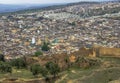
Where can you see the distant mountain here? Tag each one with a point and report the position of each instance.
(12, 8)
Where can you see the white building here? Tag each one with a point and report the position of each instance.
(33, 40)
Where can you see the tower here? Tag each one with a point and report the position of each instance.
(33, 40)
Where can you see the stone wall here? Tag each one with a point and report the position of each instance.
(104, 51)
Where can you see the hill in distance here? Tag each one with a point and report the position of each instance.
(14, 7)
(17, 7)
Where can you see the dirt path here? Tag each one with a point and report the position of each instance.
(62, 78)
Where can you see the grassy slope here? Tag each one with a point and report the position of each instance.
(108, 71)
(16, 74)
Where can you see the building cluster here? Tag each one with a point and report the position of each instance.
(23, 34)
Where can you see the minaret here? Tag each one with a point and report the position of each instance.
(103, 8)
(33, 40)
(20, 26)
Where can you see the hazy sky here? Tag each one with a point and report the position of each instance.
(41, 1)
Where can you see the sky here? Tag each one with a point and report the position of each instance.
(41, 1)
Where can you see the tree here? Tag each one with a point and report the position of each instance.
(44, 72)
(5, 67)
(45, 46)
(67, 61)
(53, 68)
(19, 63)
(2, 57)
(35, 69)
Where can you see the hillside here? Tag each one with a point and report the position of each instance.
(83, 69)
(107, 72)
(87, 12)
(36, 7)
(71, 43)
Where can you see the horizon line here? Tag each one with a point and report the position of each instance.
(48, 3)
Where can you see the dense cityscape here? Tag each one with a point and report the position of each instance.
(66, 43)
(65, 28)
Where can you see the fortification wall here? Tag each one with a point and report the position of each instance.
(104, 51)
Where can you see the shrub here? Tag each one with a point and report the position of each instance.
(38, 53)
(45, 46)
(53, 68)
(87, 62)
(19, 63)
(5, 67)
(35, 69)
(2, 57)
